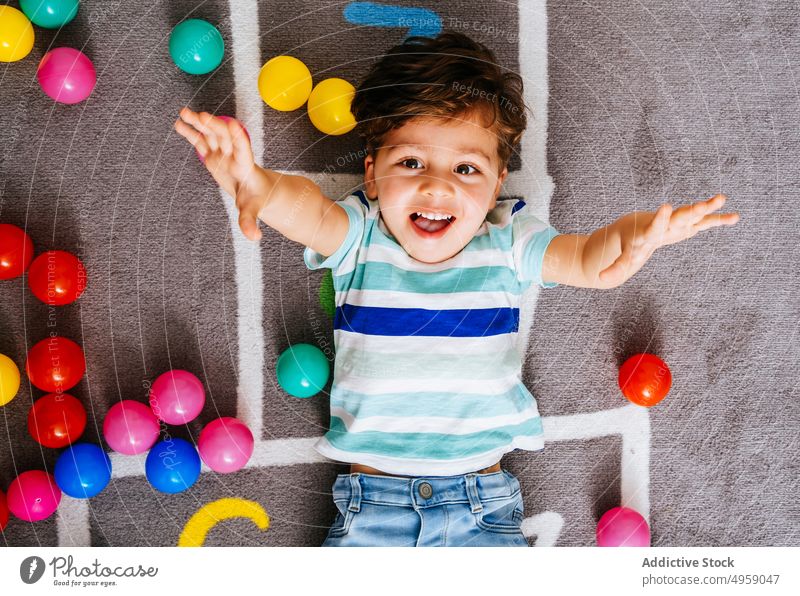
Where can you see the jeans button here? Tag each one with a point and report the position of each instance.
(425, 490)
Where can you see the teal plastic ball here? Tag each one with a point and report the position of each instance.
(196, 46)
(303, 370)
(50, 14)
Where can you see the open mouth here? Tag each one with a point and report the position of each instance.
(430, 224)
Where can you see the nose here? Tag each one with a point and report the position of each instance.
(435, 185)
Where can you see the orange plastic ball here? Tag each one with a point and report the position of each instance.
(645, 379)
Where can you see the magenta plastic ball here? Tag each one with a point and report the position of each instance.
(33, 496)
(226, 119)
(622, 527)
(177, 397)
(225, 444)
(130, 427)
(66, 75)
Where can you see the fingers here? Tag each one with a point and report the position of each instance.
(214, 129)
(717, 219)
(691, 214)
(617, 269)
(242, 152)
(195, 138)
(659, 225)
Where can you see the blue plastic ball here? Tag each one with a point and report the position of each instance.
(196, 46)
(303, 370)
(50, 14)
(172, 465)
(83, 470)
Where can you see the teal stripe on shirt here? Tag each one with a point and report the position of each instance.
(429, 445)
(432, 403)
(375, 275)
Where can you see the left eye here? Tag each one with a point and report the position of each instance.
(466, 165)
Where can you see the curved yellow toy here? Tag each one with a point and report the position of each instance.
(200, 524)
(329, 106)
(9, 379)
(16, 34)
(284, 83)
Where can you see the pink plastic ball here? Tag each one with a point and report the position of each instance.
(226, 119)
(33, 496)
(130, 427)
(621, 526)
(177, 397)
(66, 75)
(225, 444)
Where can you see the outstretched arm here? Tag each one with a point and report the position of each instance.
(612, 255)
(292, 205)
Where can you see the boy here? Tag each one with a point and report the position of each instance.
(428, 270)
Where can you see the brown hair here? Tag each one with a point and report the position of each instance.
(443, 77)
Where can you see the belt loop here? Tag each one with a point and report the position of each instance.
(355, 493)
(472, 493)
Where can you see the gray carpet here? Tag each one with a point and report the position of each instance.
(647, 103)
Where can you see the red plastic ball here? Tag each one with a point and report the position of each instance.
(57, 277)
(16, 251)
(3, 510)
(57, 420)
(55, 364)
(645, 379)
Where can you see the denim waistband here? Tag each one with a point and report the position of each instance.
(424, 491)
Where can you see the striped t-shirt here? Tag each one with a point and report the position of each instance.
(427, 377)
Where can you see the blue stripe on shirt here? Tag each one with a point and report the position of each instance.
(477, 322)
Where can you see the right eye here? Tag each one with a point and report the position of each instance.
(412, 159)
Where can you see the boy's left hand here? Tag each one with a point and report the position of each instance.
(640, 237)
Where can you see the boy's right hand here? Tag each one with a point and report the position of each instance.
(229, 158)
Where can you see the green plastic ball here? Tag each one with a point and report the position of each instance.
(327, 294)
(50, 14)
(196, 46)
(302, 370)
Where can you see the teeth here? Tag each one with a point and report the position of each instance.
(433, 216)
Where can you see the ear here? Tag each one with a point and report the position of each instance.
(499, 185)
(369, 177)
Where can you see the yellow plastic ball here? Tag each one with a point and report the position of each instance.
(284, 83)
(329, 106)
(9, 379)
(16, 34)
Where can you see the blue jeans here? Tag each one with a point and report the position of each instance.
(467, 510)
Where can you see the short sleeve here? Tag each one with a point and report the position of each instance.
(357, 207)
(530, 239)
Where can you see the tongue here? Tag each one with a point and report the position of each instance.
(430, 225)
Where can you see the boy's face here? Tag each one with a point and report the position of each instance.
(435, 166)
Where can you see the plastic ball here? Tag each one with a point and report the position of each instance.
(57, 277)
(329, 106)
(66, 75)
(284, 83)
(645, 379)
(83, 470)
(55, 364)
(9, 379)
(16, 251)
(621, 526)
(50, 14)
(302, 370)
(172, 466)
(196, 46)
(226, 119)
(16, 34)
(177, 397)
(57, 420)
(225, 444)
(33, 496)
(130, 427)
(3, 511)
